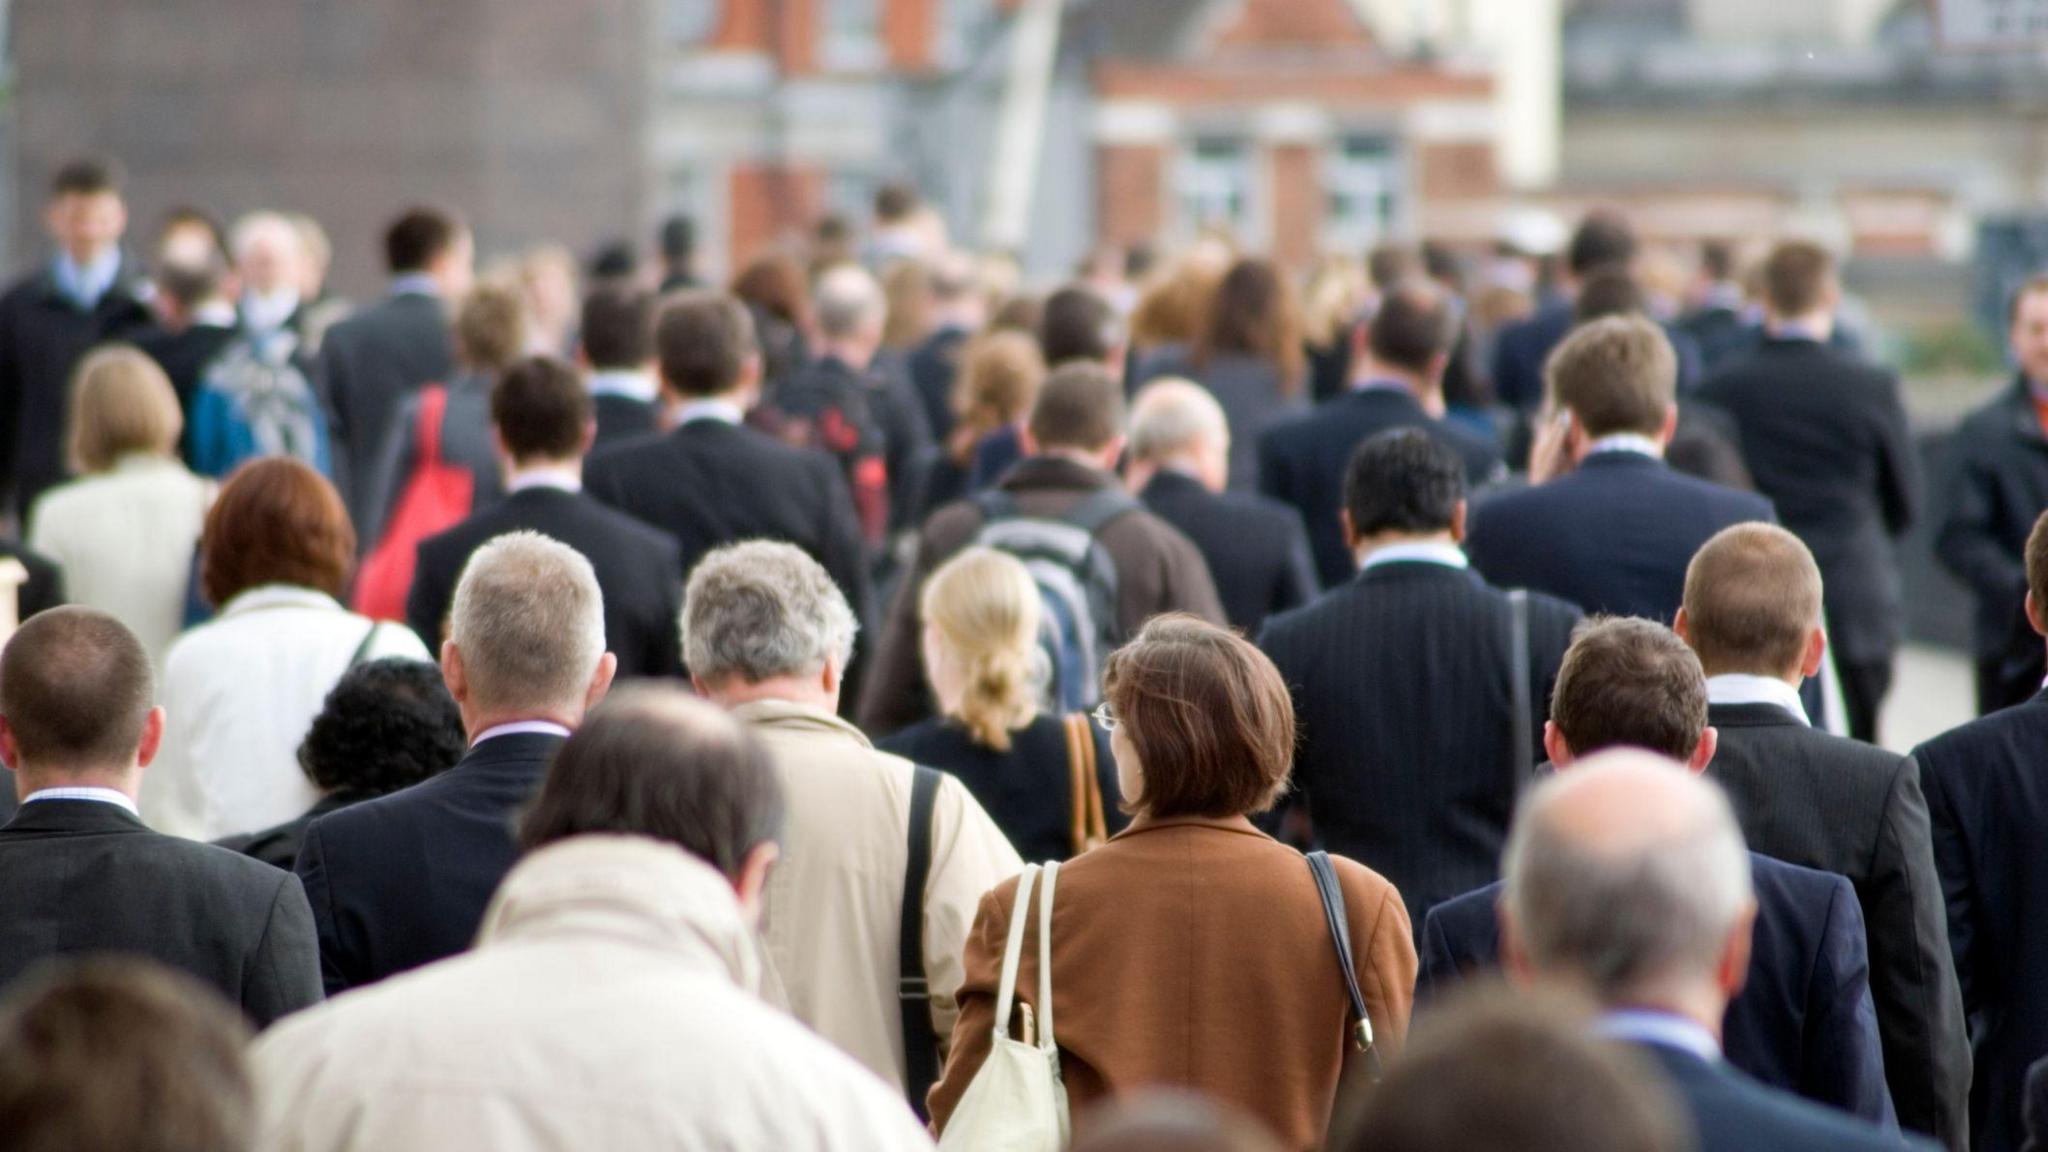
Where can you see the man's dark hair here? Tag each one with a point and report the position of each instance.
(1077, 324)
(385, 725)
(1717, 260)
(678, 239)
(189, 285)
(76, 687)
(1611, 291)
(1629, 683)
(618, 327)
(1797, 275)
(702, 340)
(614, 260)
(1403, 481)
(655, 761)
(1604, 239)
(122, 1054)
(541, 409)
(1079, 406)
(415, 239)
(86, 176)
(895, 201)
(1416, 323)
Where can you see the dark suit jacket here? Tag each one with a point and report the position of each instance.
(1522, 349)
(87, 877)
(933, 367)
(403, 880)
(1732, 1113)
(1996, 485)
(1303, 460)
(1821, 801)
(1826, 438)
(638, 569)
(1614, 536)
(184, 355)
(1248, 390)
(1257, 548)
(278, 845)
(622, 418)
(1404, 707)
(1988, 801)
(1804, 1021)
(369, 364)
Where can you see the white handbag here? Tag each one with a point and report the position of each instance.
(1017, 1102)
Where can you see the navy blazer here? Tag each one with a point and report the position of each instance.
(1256, 548)
(1805, 1021)
(403, 880)
(1732, 1113)
(1613, 537)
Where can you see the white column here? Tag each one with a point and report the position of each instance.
(1020, 130)
(1525, 38)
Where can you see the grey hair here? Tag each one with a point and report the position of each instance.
(1172, 415)
(847, 301)
(258, 224)
(762, 609)
(528, 619)
(1627, 911)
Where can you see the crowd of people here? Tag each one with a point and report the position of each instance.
(572, 706)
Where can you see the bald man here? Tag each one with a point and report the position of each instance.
(1257, 548)
(1627, 878)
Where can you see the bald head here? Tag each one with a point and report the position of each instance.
(1177, 421)
(1629, 874)
(849, 304)
(1752, 603)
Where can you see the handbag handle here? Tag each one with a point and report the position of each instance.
(1046, 1040)
(1338, 922)
(1013, 953)
(1089, 828)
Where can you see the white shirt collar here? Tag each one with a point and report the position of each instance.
(624, 382)
(1383, 384)
(521, 728)
(1420, 551)
(723, 411)
(214, 314)
(267, 313)
(280, 596)
(1663, 1029)
(415, 284)
(1626, 442)
(562, 479)
(97, 795)
(1743, 688)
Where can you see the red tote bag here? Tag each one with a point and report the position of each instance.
(437, 496)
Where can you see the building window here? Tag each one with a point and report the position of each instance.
(853, 35)
(1213, 187)
(1362, 181)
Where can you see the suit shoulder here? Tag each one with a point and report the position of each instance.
(642, 536)
(1263, 512)
(1959, 749)
(223, 865)
(1807, 886)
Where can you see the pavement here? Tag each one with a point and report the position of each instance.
(1933, 690)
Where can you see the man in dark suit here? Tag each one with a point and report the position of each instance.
(372, 361)
(543, 423)
(1607, 525)
(84, 296)
(1400, 355)
(1753, 615)
(1256, 548)
(84, 874)
(1985, 801)
(1996, 484)
(1805, 1020)
(616, 348)
(713, 481)
(1826, 438)
(1718, 320)
(403, 880)
(1627, 878)
(1404, 682)
(195, 323)
(957, 312)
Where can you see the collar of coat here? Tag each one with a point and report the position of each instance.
(781, 714)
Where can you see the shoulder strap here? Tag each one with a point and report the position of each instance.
(995, 504)
(1047, 1042)
(1518, 675)
(1013, 951)
(1098, 508)
(913, 990)
(362, 651)
(1339, 924)
(433, 406)
(1089, 827)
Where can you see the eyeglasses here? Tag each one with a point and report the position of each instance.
(1103, 717)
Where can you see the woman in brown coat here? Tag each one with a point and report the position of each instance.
(1191, 951)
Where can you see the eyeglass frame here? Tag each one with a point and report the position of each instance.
(1102, 716)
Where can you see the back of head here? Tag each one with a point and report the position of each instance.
(895, 202)
(678, 238)
(847, 303)
(1173, 416)
(1752, 601)
(1492, 1071)
(1077, 324)
(1629, 683)
(122, 404)
(1415, 325)
(528, 620)
(1403, 481)
(76, 688)
(1799, 279)
(1080, 407)
(386, 724)
(1000, 375)
(276, 521)
(1157, 1120)
(703, 342)
(775, 284)
(653, 761)
(122, 1055)
(760, 611)
(1392, 263)
(490, 327)
(618, 327)
(1611, 291)
(418, 238)
(1604, 239)
(542, 410)
(1717, 260)
(1628, 874)
(1254, 313)
(984, 609)
(1614, 375)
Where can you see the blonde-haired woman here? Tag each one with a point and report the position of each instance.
(1047, 780)
(126, 530)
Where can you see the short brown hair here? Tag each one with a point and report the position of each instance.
(2037, 563)
(121, 1054)
(1615, 374)
(1415, 324)
(276, 521)
(86, 176)
(1796, 275)
(1080, 406)
(1629, 683)
(1000, 374)
(490, 327)
(703, 341)
(1752, 597)
(2036, 285)
(76, 687)
(541, 409)
(417, 238)
(1209, 715)
(618, 327)
(122, 404)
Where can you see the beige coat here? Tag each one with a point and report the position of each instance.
(835, 898)
(608, 1004)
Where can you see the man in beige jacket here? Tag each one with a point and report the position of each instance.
(767, 635)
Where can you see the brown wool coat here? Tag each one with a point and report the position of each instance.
(1193, 953)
